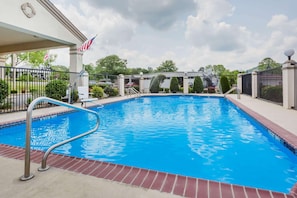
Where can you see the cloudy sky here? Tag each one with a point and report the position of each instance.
(191, 33)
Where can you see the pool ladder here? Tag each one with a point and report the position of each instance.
(27, 175)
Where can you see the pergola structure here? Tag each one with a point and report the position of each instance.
(37, 25)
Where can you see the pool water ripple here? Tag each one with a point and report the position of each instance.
(205, 137)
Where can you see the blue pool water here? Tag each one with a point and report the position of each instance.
(205, 137)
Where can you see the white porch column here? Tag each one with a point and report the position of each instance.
(121, 85)
(141, 83)
(289, 88)
(254, 84)
(76, 66)
(84, 79)
(2, 70)
(186, 83)
(239, 82)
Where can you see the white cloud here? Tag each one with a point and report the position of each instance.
(159, 14)
(192, 33)
(207, 28)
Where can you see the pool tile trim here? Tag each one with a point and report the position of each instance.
(164, 182)
(287, 138)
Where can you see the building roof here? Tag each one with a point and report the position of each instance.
(36, 24)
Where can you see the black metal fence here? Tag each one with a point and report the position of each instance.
(270, 85)
(247, 84)
(24, 85)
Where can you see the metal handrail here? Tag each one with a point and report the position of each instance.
(233, 89)
(132, 90)
(27, 175)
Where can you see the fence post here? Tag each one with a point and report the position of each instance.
(254, 84)
(121, 85)
(186, 83)
(239, 82)
(141, 83)
(289, 87)
(2, 69)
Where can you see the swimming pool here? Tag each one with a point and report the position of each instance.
(203, 137)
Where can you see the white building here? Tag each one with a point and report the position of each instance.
(35, 25)
(209, 80)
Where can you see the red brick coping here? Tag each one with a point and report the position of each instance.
(164, 182)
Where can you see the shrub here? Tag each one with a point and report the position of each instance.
(74, 95)
(97, 92)
(5, 105)
(198, 85)
(191, 90)
(111, 91)
(272, 93)
(174, 85)
(224, 84)
(155, 83)
(3, 90)
(56, 89)
(13, 91)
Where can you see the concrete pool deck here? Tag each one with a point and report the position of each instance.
(57, 182)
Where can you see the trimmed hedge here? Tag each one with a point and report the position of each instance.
(111, 91)
(97, 92)
(198, 85)
(56, 89)
(224, 84)
(174, 87)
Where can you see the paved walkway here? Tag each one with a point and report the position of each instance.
(62, 183)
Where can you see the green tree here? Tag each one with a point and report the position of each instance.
(224, 84)
(61, 72)
(267, 63)
(198, 85)
(89, 68)
(137, 70)
(174, 87)
(111, 65)
(36, 58)
(219, 69)
(167, 66)
(60, 68)
(155, 83)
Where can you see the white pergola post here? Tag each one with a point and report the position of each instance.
(289, 87)
(141, 83)
(254, 84)
(186, 83)
(122, 85)
(76, 66)
(239, 82)
(2, 70)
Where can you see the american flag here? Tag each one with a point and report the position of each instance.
(86, 45)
